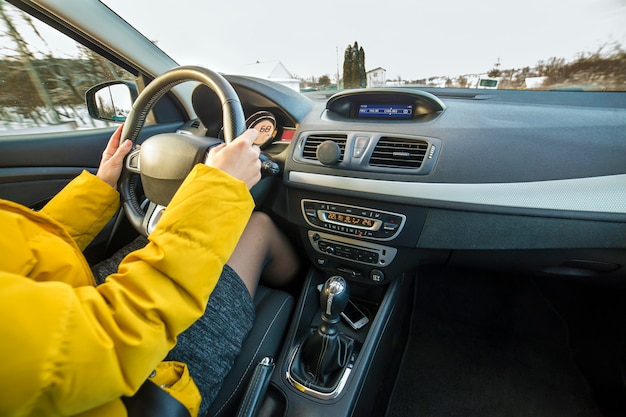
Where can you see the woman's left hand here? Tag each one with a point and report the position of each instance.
(113, 158)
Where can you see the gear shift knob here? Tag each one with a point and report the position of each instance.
(324, 353)
(334, 298)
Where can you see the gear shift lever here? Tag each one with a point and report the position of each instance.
(334, 297)
(324, 353)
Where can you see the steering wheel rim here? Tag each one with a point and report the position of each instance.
(233, 122)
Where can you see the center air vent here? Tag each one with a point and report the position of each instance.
(313, 141)
(399, 153)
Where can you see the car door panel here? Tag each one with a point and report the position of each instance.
(33, 168)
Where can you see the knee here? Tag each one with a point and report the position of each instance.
(260, 222)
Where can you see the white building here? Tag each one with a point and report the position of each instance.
(534, 82)
(376, 77)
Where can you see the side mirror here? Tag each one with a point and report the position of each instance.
(111, 100)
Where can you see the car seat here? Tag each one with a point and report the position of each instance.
(273, 310)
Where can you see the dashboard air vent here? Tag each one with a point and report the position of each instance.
(399, 153)
(313, 141)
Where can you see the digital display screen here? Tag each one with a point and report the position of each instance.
(350, 220)
(386, 111)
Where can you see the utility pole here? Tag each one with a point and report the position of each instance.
(337, 80)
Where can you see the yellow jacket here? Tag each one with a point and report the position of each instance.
(69, 347)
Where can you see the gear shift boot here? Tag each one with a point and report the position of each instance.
(321, 361)
(322, 358)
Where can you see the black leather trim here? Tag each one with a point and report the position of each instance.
(273, 312)
(152, 401)
(255, 392)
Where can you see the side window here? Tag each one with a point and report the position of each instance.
(44, 76)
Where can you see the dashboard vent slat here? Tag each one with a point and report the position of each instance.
(399, 153)
(311, 143)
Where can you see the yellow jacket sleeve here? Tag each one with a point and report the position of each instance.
(68, 349)
(83, 207)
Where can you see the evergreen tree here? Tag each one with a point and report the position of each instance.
(347, 68)
(362, 75)
(354, 67)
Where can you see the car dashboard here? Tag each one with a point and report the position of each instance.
(379, 181)
(379, 185)
(540, 184)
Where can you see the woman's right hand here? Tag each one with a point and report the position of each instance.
(240, 158)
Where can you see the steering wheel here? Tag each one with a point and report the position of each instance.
(164, 160)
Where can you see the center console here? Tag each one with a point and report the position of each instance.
(357, 378)
(329, 365)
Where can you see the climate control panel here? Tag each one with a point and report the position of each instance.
(352, 220)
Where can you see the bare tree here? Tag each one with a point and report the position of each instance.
(26, 57)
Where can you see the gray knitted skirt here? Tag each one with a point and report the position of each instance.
(209, 347)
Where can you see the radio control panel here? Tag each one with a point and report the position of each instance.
(367, 253)
(352, 220)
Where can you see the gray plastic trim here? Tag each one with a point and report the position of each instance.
(605, 194)
(386, 254)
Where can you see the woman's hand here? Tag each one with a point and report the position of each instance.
(240, 158)
(113, 158)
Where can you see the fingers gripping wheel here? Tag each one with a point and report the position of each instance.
(234, 125)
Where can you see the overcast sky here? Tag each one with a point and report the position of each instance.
(416, 40)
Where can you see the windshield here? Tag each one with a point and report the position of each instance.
(536, 44)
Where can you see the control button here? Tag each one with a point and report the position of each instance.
(372, 258)
(377, 275)
(359, 146)
(322, 261)
(390, 226)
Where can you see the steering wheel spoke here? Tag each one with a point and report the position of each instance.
(153, 215)
(133, 161)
